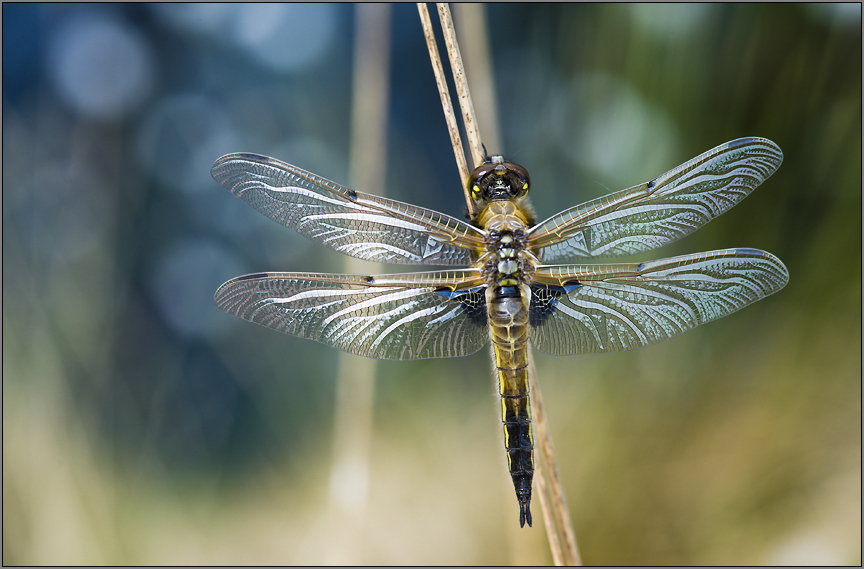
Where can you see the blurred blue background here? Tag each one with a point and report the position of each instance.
(141, 425)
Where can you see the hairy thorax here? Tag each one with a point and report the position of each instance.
(507, 261)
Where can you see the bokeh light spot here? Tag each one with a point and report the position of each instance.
(181, 138)
(671, 21)
(845, 14)
(100, 67)
(184, 282)
(623, 137)
(287, 37)
(194, 17)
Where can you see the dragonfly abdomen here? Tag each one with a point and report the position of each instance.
(508, 323)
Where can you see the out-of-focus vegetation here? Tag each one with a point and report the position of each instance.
(142, 425)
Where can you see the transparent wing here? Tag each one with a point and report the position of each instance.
(609, 308)
(394, 317)
(361, 225)
(662, 210)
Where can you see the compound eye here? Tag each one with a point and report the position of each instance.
(476, 176)
(523, 177)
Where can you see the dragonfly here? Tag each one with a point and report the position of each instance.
(501, 287)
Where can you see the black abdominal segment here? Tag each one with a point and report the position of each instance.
(507, 292)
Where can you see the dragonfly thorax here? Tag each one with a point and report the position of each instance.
(507, 261)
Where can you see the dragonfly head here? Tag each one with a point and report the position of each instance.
(498, 180)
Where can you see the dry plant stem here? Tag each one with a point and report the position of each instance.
(561, 525)
(541, 493)
(469, 119)
(449, 114)
(474, 41)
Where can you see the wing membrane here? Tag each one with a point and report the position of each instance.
(658, 212)
(357, 224)
(394, 317)
(607, 308)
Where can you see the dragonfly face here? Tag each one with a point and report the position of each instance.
(498, 180)
(506, 291)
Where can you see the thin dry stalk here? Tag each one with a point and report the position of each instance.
(465, 103)
(560, 528)
(474, 41)
(551, 497)
(449, 114)
(541, 493)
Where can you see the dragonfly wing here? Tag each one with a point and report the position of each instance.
(608, 308)
(394, 317)
(361, 225)
(662, 210)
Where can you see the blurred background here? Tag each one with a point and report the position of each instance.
(141, 425)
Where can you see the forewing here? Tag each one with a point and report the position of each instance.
(662, 210)
(609, 308)
(357, 224)
(393, 317)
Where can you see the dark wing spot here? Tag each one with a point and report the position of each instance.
(651, 184)
(748, 251)
(369, 280)
(253, 157)
(352, 194)
(252, 277)
(472, 300)
(544, 298)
